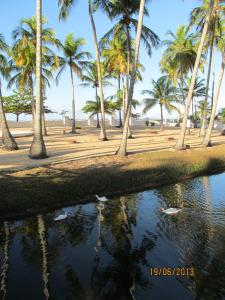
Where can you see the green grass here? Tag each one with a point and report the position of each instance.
(42, 189)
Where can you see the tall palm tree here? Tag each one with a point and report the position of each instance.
(162, 94)
(122, 151)
(37, 149)
(180, 143)
(23, 54)
(206, 141)
(65, 7)
(90, 78)
(180, 54)
(116, 64)
(73, 57)
(124, 12)
(197, 19)
(8, 142)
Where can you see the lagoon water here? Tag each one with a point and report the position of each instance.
(122, 249)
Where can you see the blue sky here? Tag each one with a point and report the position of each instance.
(164, 15)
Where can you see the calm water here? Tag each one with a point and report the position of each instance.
(107, 251)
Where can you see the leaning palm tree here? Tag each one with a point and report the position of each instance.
(122, 151)
(124, 12)
(65, 7)
(73, 58)
(197, 19)
(37, 149)
(162, 94)
(8, 142)
(206, 141)
(180, 143)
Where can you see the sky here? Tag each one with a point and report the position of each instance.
(164, 15)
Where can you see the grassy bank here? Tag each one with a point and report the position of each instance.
(42, 189)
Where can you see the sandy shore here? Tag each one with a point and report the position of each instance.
(62, 148)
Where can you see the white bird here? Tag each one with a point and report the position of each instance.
(61, 217)
(102, 199)
(170, 211)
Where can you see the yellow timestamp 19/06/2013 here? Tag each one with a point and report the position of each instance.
(172, 271)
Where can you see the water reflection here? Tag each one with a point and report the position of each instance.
(105, 251)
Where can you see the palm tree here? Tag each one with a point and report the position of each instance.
(162, 94)
(8, 142)
(65, 7)
(116, 64)
(180, 54)
(73, 57)
(206, 141)
(180, 143)
(23, 54)
(90, 78)
(124, 12)
(197, 19)
(201, 110)
(122, 151)
(37, 149)
(94, 108)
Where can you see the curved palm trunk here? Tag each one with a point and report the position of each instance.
(180, 143)
(44, 129)
(120, 115)
(8, 142)
(5, 264)
(122, 151)
(161, 112)
(128, 74)
(44, 251)
(37, 149)
(202, 130)
(96, 98)
(206, 142)
(73, 129)
(103, 130)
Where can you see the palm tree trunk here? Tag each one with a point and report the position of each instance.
(5, 263)
(202, 130)
(73, 130)
(128, 73)
(122, 151)
(120, 115)
(206, 141)
(96, 98)
(103, 130)
(8, 142)
(37, 149)
(213, 87)
(44, 251)
(180, 143)
(161, 112)
(17, 118)
(44, 129)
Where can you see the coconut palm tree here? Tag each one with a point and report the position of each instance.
(94, 108)
(65, 7)
(74, 59)
(23, 53)
(162, 94)
(206, 141)
(180, 54)
(180, 143)
(124, 12)
(122, 151)
(90, 78)
(37, 149)
(8, 142)
(197, 19)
